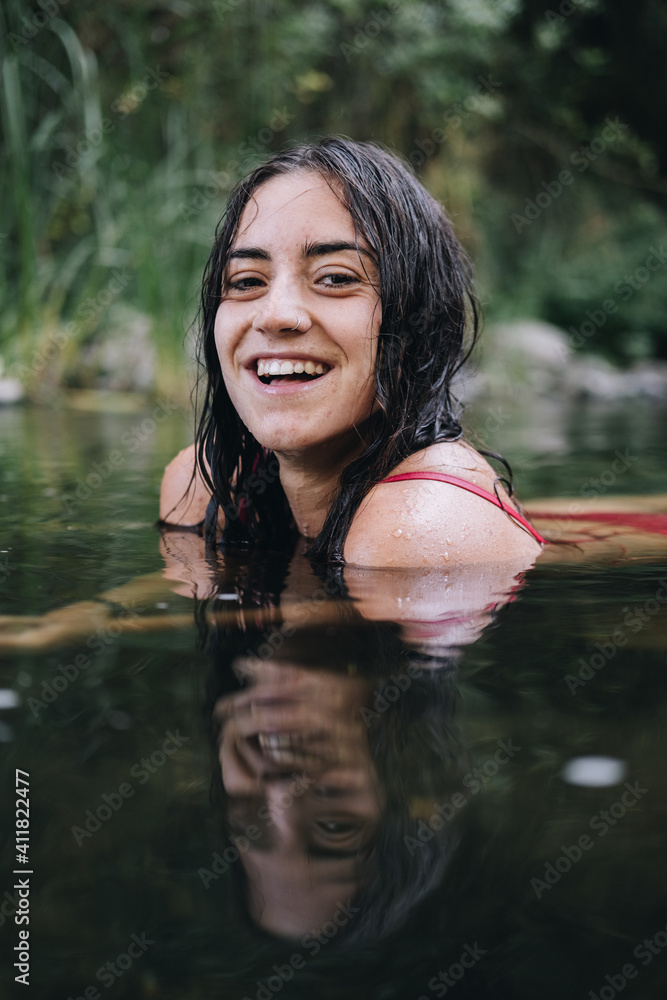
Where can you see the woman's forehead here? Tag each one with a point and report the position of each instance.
(299, 203)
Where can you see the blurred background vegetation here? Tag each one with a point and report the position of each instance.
(125, 125)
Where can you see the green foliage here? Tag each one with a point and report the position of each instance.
(126, 125)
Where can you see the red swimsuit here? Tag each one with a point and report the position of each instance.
(477, 490)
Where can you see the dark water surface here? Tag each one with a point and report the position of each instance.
(253, 782)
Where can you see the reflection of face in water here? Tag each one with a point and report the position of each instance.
(303, 790)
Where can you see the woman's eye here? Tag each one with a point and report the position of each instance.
(338, 280)
(243, 284)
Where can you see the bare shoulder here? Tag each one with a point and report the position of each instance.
(184, 495)
(429, 523)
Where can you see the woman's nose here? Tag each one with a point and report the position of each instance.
(284, 808)
(282, 311)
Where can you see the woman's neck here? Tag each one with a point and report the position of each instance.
(310, 481)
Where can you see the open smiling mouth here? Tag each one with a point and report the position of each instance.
(296, 749)
(272, 371)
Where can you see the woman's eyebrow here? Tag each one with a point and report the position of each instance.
(309, 250)
(322, 249)
(249, 253)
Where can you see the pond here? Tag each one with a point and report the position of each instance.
(248, 781)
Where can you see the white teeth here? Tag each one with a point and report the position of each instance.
(285, 748)
(272, 366)
(274, 740)
(277, 745)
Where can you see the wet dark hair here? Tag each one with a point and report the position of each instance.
(429, 325)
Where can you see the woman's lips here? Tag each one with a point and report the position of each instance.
(288, 374)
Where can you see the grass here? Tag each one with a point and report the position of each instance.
(89, 226)
(119, 164)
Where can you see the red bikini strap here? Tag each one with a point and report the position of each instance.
(471, 488)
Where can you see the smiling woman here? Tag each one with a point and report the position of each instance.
(336, 310)
(288, 303)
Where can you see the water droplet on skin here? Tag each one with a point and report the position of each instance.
(397, 533)
(409, 534)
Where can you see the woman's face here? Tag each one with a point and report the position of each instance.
(299, 299)
(302, 790)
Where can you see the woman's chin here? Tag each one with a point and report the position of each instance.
(290, 441)
(282, 444)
